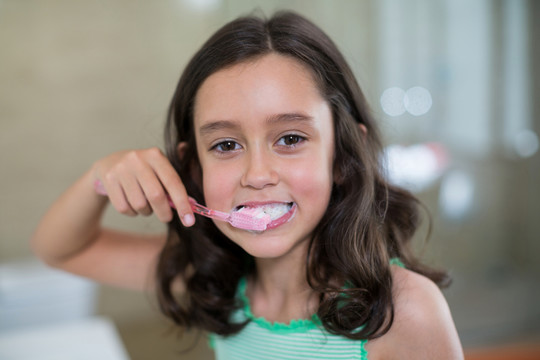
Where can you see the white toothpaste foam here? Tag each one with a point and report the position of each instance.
(275, 211)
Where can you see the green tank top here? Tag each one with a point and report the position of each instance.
(300, 339)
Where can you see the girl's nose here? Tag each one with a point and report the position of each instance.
(259, 172)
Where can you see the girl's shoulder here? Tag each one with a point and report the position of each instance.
(423, 327)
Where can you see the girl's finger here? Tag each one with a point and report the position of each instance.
(135, 195)
(117, 197)
(155, 194)
(175, 188)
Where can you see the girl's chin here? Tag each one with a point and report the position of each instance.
(270, 247)
(266, 252)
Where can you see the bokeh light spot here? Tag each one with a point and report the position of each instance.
(392, 101)
(526, 143)
(417, 101)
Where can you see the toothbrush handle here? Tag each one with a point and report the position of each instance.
(204, 211)
(243, 222)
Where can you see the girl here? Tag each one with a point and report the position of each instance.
(266, 117)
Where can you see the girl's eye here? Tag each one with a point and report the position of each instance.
(226, 146)
(290, 140)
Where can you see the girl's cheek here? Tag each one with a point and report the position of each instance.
(310, 175)
(219, 182)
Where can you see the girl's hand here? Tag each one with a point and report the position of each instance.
(138, 182)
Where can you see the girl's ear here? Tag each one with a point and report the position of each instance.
(194, 167)
(363, 128)
(181, 149)
(338, 176)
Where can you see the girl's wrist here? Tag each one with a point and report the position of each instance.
(90, 179)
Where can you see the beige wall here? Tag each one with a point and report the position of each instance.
(82, 79)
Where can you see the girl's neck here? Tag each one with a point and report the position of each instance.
(279, 290)
(285, 274)
(275, 276)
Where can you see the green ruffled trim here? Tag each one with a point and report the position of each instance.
(295, 326)
(398, 262)
(363, 351)
(212, 341)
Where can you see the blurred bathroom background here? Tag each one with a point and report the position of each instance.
(453, 83)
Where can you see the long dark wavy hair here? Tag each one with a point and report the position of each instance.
(367, 221)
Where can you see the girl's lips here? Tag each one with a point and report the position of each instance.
(276, 222)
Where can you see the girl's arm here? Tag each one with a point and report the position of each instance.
(70, 235)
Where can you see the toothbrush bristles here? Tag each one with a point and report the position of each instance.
(248, 222)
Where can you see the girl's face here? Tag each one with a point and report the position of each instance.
(265, 138)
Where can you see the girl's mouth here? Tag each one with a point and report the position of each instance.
(279, 213)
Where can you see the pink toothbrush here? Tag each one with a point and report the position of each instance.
(236, 219)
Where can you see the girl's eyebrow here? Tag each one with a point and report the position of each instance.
(234, 125)
(214, 126)
(286, 117)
